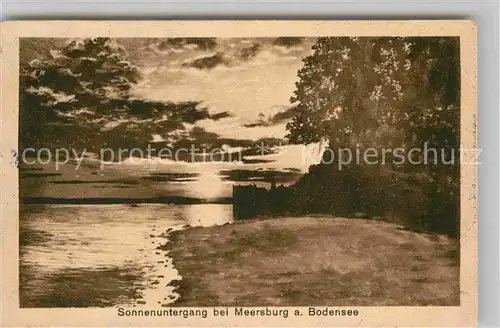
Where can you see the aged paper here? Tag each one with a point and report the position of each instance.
(239, 173)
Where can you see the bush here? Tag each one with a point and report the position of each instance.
(414, 200)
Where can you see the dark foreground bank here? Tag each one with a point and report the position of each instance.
(313, 261)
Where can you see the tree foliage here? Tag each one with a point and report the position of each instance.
(352, 90)
(386, 92)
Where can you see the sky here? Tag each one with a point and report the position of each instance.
(248, 81)
(250, 78)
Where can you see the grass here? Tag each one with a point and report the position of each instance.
(313, 261)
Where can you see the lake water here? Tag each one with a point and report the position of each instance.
(108, 255)
(103, 255)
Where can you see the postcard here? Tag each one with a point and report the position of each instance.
(239, 173)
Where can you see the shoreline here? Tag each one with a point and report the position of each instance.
(313, 261)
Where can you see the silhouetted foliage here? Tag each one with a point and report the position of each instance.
(380, 93)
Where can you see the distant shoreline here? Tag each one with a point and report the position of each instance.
(176, 200)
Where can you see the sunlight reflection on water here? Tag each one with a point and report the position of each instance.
(208, 184)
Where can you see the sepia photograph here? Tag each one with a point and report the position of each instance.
(162, 176)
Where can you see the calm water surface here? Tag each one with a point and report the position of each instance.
(103, 255)
(107, 255)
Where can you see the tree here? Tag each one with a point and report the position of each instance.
(343, 91)
(384, 92)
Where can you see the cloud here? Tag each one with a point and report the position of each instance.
(74, 113)
(289, 50)
(240, 76)
(245, 41)
(53, 97)
(166, 52)
(250, 52)
(198, 137)
(284, 115)
(255, 124)
(237, 55)
(243, 90)
(200, 43)
(201, 134)
(157, 138)
(206, 62)
(221, 115)
(113, 124)
(235, 129)
(288, 41)
(274, 118)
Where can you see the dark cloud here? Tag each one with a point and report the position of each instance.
(199, 137)
(256, 124)
(285, 115)
(171, 177)
(250, 52)
(207, 62)
(277, 118)
(256, 161)
(288, 41)
(38, 48)
(201, 134)
(221, 115)
(201, 43)
(203, 139)
(181, 112)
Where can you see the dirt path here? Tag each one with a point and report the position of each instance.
(314, 261)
